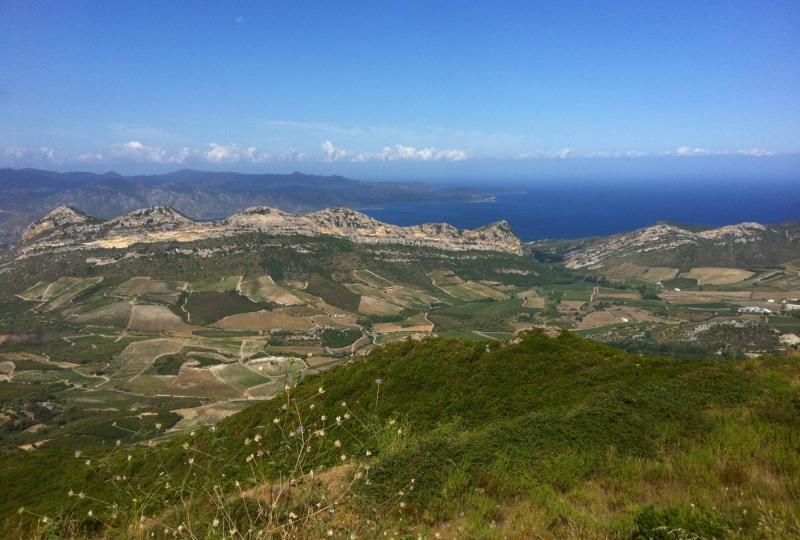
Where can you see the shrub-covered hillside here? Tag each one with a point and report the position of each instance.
(551, 437)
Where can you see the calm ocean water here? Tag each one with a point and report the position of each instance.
(575, 210)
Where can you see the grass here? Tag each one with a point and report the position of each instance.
(546, 437)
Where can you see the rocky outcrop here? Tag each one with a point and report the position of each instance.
(65, 229)
(62, 220)
(671, 245)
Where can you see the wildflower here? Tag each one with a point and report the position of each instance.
(330, 532)
(337, 443)
(343, 457)
(260, 368)
(81, 495)
(402, 504)
(339, 420)
(320, 390)
(185, 446)
(158, 425)
(344, 404)
(236, 483)
(301, 430)
(119, 442)
(399, 431)
(130, 457)
(276, 421)
(311, 407)
(257, 437)
(247, 441)
(379, 380)
(215, 522)
(88, 462)
(44, 519)
(323, 417)
(191, 461)
(286, 387)
(292, 515)
(368, 453)
(90, 513)
(392, 422)
(77, 453)
(21, 510)
(192, 434)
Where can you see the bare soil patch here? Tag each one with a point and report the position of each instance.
(263, 320)
(716, 275)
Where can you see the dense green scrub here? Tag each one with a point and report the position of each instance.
(557, 437)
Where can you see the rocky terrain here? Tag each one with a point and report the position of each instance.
(26, 194)
(67, 229)
(663, 244)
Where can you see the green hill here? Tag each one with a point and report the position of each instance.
(551, 437)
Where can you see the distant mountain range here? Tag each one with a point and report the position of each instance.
(26, 194)
(68, 229)
(681, 246)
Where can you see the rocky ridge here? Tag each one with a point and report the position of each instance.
(67, 229)
(663, 243)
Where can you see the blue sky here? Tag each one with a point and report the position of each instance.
(394, 89)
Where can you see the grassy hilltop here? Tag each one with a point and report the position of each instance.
(552, 437)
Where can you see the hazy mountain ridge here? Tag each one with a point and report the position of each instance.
(664, 244)
(26, 194)
(67, 229)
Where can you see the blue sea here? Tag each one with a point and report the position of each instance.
(575, 210)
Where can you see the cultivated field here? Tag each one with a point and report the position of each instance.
(154, 318)
(712, 275)
(263, 320)
(145, 286)
(263, 289)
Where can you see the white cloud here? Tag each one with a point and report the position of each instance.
(232, 153)
(756, 152)
(397, 152)
(689, 151)
(137, 152)
(21, 155)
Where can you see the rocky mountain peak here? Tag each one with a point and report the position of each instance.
(155, 217)
(55, 221)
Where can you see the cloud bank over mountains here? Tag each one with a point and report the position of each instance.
(135, 152)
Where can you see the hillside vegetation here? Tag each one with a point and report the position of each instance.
(538, 437)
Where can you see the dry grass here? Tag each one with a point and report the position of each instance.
(141, 286)
(375, 306)
(263, 289)
(147, 318)
(715, 275)
(263, 320)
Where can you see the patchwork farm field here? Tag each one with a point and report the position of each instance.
(181, 342)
